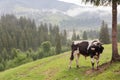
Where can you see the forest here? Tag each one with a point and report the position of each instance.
(22, 41)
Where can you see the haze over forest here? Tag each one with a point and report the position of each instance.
(66, 15)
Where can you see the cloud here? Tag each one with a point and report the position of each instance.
(24, 9)
(79, 10)
(77, 2)
(86, 8)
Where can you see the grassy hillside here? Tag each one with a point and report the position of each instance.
(56, 68)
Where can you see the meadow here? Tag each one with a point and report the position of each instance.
(56, 68)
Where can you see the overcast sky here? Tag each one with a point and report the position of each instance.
(87, 7)
(78, 2)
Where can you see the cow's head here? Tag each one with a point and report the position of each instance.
(96, 49)
(99, 47)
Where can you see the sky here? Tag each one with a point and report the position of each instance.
(78, 2)
(74, 12)
(88, 7)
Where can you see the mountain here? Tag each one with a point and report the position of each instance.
(36, 4)
(56, 68)
(57, 12)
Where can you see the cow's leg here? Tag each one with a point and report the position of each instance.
(76, 55)
(71, 58)
(97, 61)
(77, 58)
(70, 63)
(92, 62)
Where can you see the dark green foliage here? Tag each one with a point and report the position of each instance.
(1, 67)
(58, 44)
(21, 41)
(43, 33)
(78, 37)
(65, 48)
(4, 54)
(104, 34)
(85, 35)
(30, 53)
(17, 33)
(52, 52)
(64, 38)
(23, 34)
(40, 54)
(19, 58)
(46, 46)
(92, 34)
(74, 36)
(100, 2)
(56, 38)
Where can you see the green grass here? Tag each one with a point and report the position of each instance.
(56, 68)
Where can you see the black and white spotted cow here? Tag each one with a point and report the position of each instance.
(86, 48)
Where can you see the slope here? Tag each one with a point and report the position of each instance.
(56, 68)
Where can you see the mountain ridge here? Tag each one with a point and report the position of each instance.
(57, 12)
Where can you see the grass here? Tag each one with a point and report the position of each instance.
(56, 68)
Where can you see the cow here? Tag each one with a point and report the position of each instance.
(86, 48)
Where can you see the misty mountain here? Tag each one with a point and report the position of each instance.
(36, 4)
(56, 12)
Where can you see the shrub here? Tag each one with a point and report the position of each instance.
(46, 46)
(1, 67)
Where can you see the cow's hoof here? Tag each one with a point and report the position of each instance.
(93, 69)
(77, 66)
(97, 68)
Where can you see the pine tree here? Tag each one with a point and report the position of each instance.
(104, 34)
(58, 43)
(74, 37)
(85, 35)
(64, 38)
(78, 37)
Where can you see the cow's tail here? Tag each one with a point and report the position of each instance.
(72, 56)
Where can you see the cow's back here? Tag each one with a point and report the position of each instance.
(83, 46)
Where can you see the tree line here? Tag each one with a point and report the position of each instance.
(104, 34)
(23, 34)
(22, 41)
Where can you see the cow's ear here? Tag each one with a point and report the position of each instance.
(93, 49)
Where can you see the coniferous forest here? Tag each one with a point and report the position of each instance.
(22, 41)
